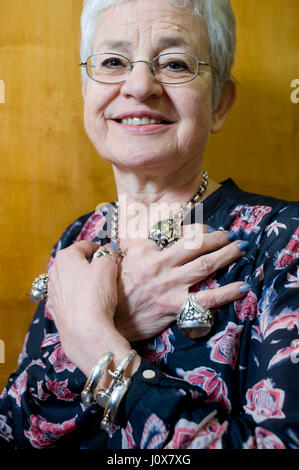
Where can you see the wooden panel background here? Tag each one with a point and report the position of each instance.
(49, 172)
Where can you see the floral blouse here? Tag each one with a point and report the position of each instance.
(237, 388)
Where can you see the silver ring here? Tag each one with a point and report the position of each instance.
(39, 291)
(194, 320)
(102, 251)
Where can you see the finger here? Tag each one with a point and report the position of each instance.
(195, 242)
(109, 250)
(82, 249)
(205, 265)
(105, 268)
(214, 298)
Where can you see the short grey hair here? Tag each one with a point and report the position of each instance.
(219, 19)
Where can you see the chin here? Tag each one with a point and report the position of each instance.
(138, 160)
(139, 163)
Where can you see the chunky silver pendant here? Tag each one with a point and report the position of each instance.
(194, 320)
(165, 233)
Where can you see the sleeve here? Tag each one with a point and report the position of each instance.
(41, 402)
(160, 413)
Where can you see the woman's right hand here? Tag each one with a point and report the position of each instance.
(154, 284)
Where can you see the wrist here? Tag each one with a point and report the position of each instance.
(112, 342)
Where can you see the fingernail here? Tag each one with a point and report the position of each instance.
(245, 288)
(211, 229)
(113, 246)
(243, 246)
(231, 236)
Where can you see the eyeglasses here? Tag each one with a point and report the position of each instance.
(169, 68)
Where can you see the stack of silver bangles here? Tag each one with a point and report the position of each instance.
(110, 398)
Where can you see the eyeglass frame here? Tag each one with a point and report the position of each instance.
(150, 63)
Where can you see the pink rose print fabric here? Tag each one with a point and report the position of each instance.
(264, 401)
(210, 382)
(225, 345)
(42, 433)
(248, 218)
(237, 388)
(158, 349)
(264, 439)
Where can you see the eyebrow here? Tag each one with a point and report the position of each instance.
(162, 42)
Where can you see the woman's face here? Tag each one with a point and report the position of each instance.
(144, 29)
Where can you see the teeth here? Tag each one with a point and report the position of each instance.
(139, 121)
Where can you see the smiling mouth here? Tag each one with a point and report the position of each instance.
(142, 121)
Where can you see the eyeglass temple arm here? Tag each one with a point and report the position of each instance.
(208, 64)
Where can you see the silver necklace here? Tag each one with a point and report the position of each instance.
(165, 232)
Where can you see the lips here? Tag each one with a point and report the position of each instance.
(142, 117)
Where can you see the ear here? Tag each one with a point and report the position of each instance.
(228, 97)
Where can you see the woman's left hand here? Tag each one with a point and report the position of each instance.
(154, 284)
(82, 298)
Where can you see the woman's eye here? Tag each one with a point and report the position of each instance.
(112, 62)
(176, 65)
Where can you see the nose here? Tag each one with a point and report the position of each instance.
(141, 83)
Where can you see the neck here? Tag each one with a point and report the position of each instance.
(174, 187)
(145, 201)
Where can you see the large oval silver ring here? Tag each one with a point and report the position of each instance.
(194, 320)
(39, 291)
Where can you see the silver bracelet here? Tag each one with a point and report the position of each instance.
(103, 396)
(108, 424)
(111, 397)
(97, 373)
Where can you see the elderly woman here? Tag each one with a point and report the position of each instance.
(177, 332)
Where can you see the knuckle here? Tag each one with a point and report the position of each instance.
(60, 257)
(62, 253)
(207, 298)
(221, 238)
(204, 265)
(148, 270)
(59, 254)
